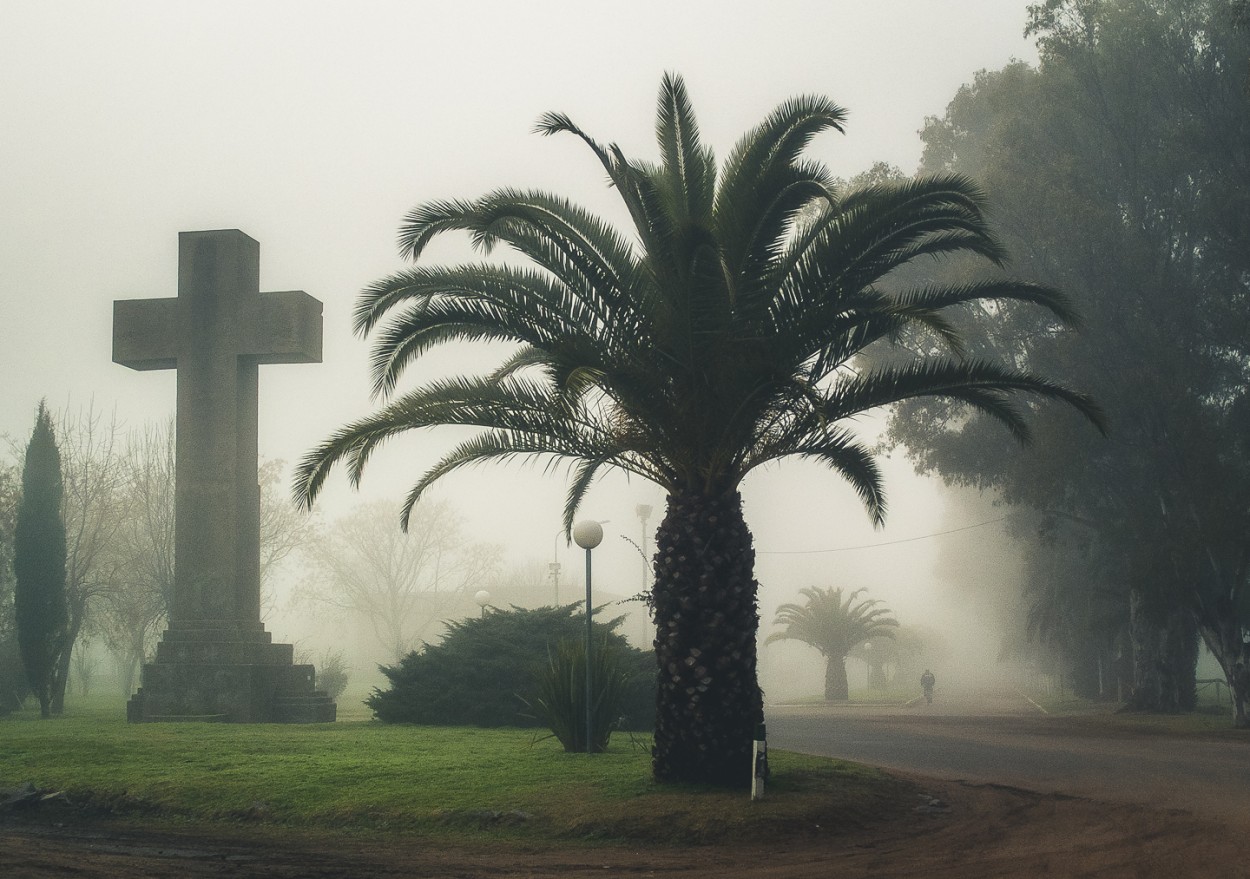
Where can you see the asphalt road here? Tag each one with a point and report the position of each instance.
(1003, 739)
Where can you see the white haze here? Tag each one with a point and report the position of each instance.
(314, 126)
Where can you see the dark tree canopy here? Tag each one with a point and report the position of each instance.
(39, 563)
(1118, 171)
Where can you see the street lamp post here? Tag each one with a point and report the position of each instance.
(588, 535)
(482, 597)
(643, 511)
(554, 567)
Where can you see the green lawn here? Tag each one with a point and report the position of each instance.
(1212, 719)
(364, 775)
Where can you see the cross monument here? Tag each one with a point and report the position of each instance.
(216, 660)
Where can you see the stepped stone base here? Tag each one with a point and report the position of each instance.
(227, 672)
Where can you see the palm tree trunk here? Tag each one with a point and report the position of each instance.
(836, 687)
(708, 699)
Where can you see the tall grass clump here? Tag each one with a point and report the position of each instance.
(559, 700)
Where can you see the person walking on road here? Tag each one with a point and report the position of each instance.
(927, 680)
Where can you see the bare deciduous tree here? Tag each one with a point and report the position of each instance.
(399, 582)
(284, 528)
(137, 606)
(94, 481)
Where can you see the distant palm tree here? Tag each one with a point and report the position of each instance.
(717, 339)
(833, 625)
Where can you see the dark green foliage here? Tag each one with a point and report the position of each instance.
(481, 671)
(1117, 169)
(39, 563)
(559, 695)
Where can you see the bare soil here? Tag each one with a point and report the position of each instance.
(975, 831)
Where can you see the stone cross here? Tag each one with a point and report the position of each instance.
(215, 334)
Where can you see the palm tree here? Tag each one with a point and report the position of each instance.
(833, 625)
(714, 340)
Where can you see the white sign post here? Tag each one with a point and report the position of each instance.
(759, 764)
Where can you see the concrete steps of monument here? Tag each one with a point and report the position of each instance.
(224, 653)
(221, 631)
(315, 707)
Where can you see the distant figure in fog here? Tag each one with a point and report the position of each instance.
(927, 680)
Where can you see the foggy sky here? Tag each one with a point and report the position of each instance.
(313, 127)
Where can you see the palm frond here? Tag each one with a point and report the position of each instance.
(837, 449)
(875, 230)
(526, 357)
(977, 382)
(583, 477)
(424, 222)
(934, 298)
(497, 445)
(687, 164)
(631, 181)
(831, 623)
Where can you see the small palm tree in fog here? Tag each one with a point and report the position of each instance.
(833, 625)
(717, 337)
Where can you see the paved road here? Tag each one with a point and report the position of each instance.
(1004, 739)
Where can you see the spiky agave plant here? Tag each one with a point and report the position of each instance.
(559, 697)
(715, 338)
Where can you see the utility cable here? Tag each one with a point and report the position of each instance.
(883, 543)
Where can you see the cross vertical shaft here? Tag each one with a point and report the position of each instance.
(216, 333)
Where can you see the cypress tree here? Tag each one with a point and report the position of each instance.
(39, 563)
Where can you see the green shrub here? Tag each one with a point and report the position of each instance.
(484, 670)
(332, 673)
(559, 700)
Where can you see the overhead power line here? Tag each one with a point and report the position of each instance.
(883, 543)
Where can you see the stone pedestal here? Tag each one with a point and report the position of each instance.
(230, 672)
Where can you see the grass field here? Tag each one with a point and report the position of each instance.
(361, 775)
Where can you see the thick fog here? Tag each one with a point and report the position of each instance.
(313, 127)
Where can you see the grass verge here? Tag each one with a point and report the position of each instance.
(1210, 720)
(364, 776)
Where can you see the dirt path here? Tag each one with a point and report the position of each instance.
(990, 831)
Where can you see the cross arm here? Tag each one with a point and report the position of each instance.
(287, 329)
(145, 333)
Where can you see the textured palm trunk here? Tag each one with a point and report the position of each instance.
(836, 687)
(708, 699)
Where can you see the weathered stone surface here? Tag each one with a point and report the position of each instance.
(216, 660)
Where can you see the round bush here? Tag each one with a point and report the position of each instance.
(484, 670)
